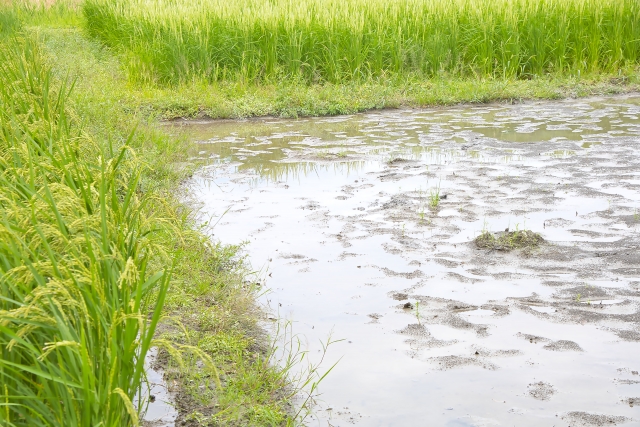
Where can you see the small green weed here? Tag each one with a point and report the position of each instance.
(434, 198)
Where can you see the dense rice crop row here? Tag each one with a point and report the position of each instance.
(76, 260)
(338, 40)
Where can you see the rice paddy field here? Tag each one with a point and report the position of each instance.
(102, 261)
(336, 41)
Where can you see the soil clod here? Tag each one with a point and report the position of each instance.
(509, 240)
(541, 390)
(587, 419)
(400, 296)
(563, 345)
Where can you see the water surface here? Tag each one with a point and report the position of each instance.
(337, 217)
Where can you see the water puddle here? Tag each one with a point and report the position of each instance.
(338, 215)
(160, 410)
(604, 302)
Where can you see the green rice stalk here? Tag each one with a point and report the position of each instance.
(336, 41)
(82, 278)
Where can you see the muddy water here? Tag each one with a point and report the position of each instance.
(160, 410)
(336, 215)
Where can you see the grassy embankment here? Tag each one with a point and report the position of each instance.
(99, 260)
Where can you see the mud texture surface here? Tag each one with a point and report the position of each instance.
(340, 222)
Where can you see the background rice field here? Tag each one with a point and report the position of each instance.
(337, 41)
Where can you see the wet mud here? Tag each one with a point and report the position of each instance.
(364, 226)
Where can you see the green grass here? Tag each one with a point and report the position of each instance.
(338, 41)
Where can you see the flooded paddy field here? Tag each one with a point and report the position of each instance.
(363, 227)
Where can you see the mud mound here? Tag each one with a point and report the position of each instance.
(541, 390)
(563, 345)
(508, 240)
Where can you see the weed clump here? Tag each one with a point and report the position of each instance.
(509, 240)
(434, 199)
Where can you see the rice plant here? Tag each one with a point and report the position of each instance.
(336, 41)
(81, 279)
(434, 198)
(9, 21)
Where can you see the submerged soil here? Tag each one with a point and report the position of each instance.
(338, 222)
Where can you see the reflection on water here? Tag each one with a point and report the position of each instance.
(276, 149)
